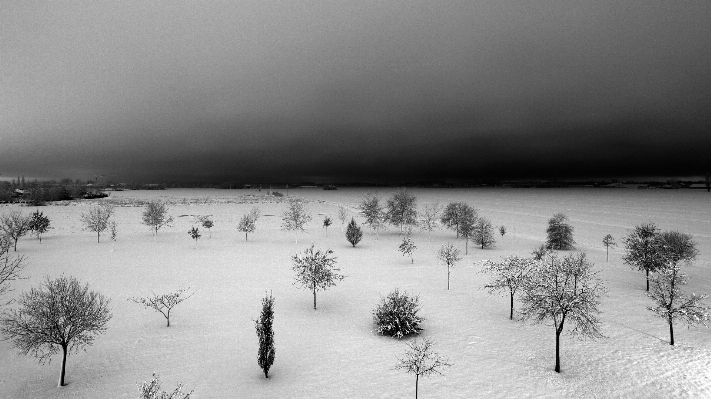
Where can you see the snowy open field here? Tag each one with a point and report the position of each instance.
(332, 352)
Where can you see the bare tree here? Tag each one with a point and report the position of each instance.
(39, 224)
(10, 269)
(455, 213)
(152, 390)
(420, 360)
(246, 225)
(327, 222)
(641, 249)
(265, 332)
(156, 216)
(295, 217)
(560, 233)
(401, 209)
(429, 218)
(671, 303)
(164, 303)
(449, 256)
(15, 225)
(407, 247)
(97, 219)
(560, 290)
(316, 271)
(502, 230)
(61, 315)
(342, 215)
(608, 241)
(541, 252)
(373, 212)
(483, 233)
(510, 274)
(467, 231)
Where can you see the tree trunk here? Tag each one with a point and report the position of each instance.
(314, 299)
(15, 244)
(557, 351)
(671, 333)
(647, 270)
(511, 314)
(64, 365)
(245, 236)
(98, 235)
(167, 317)
(466, 246)
(447, 278)
(417, 380)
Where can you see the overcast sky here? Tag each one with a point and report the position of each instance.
(355, 90)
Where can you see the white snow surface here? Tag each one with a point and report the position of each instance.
(332, 352)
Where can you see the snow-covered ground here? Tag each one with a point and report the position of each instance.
(332, 352)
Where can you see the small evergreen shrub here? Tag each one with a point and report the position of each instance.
(353, 233)
(396, 315)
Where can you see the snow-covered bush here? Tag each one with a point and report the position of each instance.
(396, 315)
(152, 390)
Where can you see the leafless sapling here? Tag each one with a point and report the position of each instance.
(164, 303)
(671, 303)
(156, 216)
(97, 218)
(373, 212)
(449, 256)
(327, 222)
(246, 225)
(466, 231)
(560, 290)
(265, 333)
(541, 252)
(502, 230)
(15, 225)
(608, 241)
(407, 247)
(642, 249)
(62, 315)
(316, 270)
(153, 390)
(420, 360)
(429, 218)
(509, 274)
(342, 215)
(295, 217)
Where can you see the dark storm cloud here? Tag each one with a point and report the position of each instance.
(374, 90)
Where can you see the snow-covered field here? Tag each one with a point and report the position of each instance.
(332, 352)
